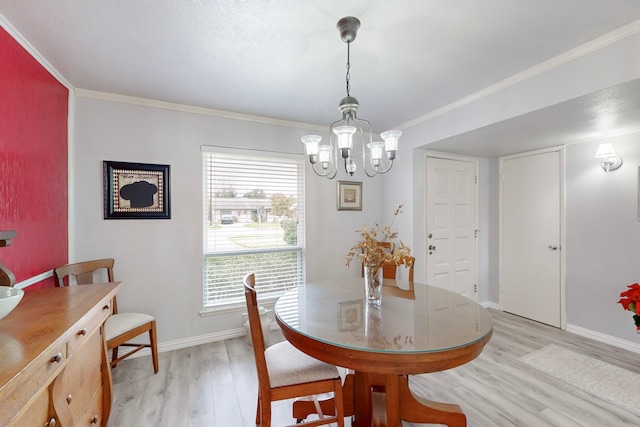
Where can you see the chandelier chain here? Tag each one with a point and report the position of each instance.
(348, 69)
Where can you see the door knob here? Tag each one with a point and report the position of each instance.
(553, 247)
(431, 249)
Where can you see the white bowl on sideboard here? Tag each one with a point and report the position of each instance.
(9, 299)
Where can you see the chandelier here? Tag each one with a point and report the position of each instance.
(351, 136)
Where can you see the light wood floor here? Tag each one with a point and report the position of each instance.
(215, 385)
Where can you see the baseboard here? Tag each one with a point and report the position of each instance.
(490, 304)
(588, 333)
(193, 341)
(199, 340)
(607, 339)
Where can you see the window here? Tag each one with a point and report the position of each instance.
(253, 222)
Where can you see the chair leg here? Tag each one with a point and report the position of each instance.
(154, 346)
(339, 402)
(258, 410)
(114, 356)
(265, 414)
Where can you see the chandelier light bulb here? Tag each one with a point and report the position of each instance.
(391, 142)
(311, 146)
(375, 149)
(345, 139)
(324, 156)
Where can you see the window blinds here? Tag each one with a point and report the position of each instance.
(253, 222)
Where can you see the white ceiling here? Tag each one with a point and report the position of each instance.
(284, 59)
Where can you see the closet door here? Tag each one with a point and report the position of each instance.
(530, 252)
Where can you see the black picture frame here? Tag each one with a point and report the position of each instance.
(136, 190)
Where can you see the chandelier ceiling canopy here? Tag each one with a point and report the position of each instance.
(351, 135)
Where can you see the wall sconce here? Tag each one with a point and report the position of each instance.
(610, 159)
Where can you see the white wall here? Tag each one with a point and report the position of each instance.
(160, 261)
(603, 237)
(602, 67)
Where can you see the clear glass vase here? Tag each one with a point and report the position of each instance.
(373, 285)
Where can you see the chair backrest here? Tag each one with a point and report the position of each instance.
(390, 270)
(412, 263)
(386, 245)
(257, 337)
(84, 272)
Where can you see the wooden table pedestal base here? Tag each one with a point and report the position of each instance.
(384, 408)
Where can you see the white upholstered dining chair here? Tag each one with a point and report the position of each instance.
(284, 372)
(120, 328)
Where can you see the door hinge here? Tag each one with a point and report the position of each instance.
(475, 233)
(475, 288)
(476, 179)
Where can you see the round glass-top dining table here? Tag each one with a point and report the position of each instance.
(417, 329)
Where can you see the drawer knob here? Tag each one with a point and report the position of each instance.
(50, 423)
(56, 358)
(69, 398)
(94, 419)
(82, 331)
(106, 307)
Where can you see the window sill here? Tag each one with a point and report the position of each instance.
(236, 307)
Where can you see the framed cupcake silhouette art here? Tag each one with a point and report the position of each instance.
(136, 191)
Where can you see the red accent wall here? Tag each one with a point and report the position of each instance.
(33, 164)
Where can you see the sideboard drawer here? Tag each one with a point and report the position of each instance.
(36, 375)
(87, 326)
(35, 413)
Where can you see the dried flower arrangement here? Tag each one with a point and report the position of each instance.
(373, 254)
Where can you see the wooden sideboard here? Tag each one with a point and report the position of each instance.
(54, 368)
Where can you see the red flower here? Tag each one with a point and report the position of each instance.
(631, 298)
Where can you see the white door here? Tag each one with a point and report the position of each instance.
(451, 225)
(531, 203)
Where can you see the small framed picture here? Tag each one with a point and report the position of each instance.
(136, 191)
(350, 315)
(349, 196)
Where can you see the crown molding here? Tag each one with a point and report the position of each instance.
(548, 65)
(105, 96)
